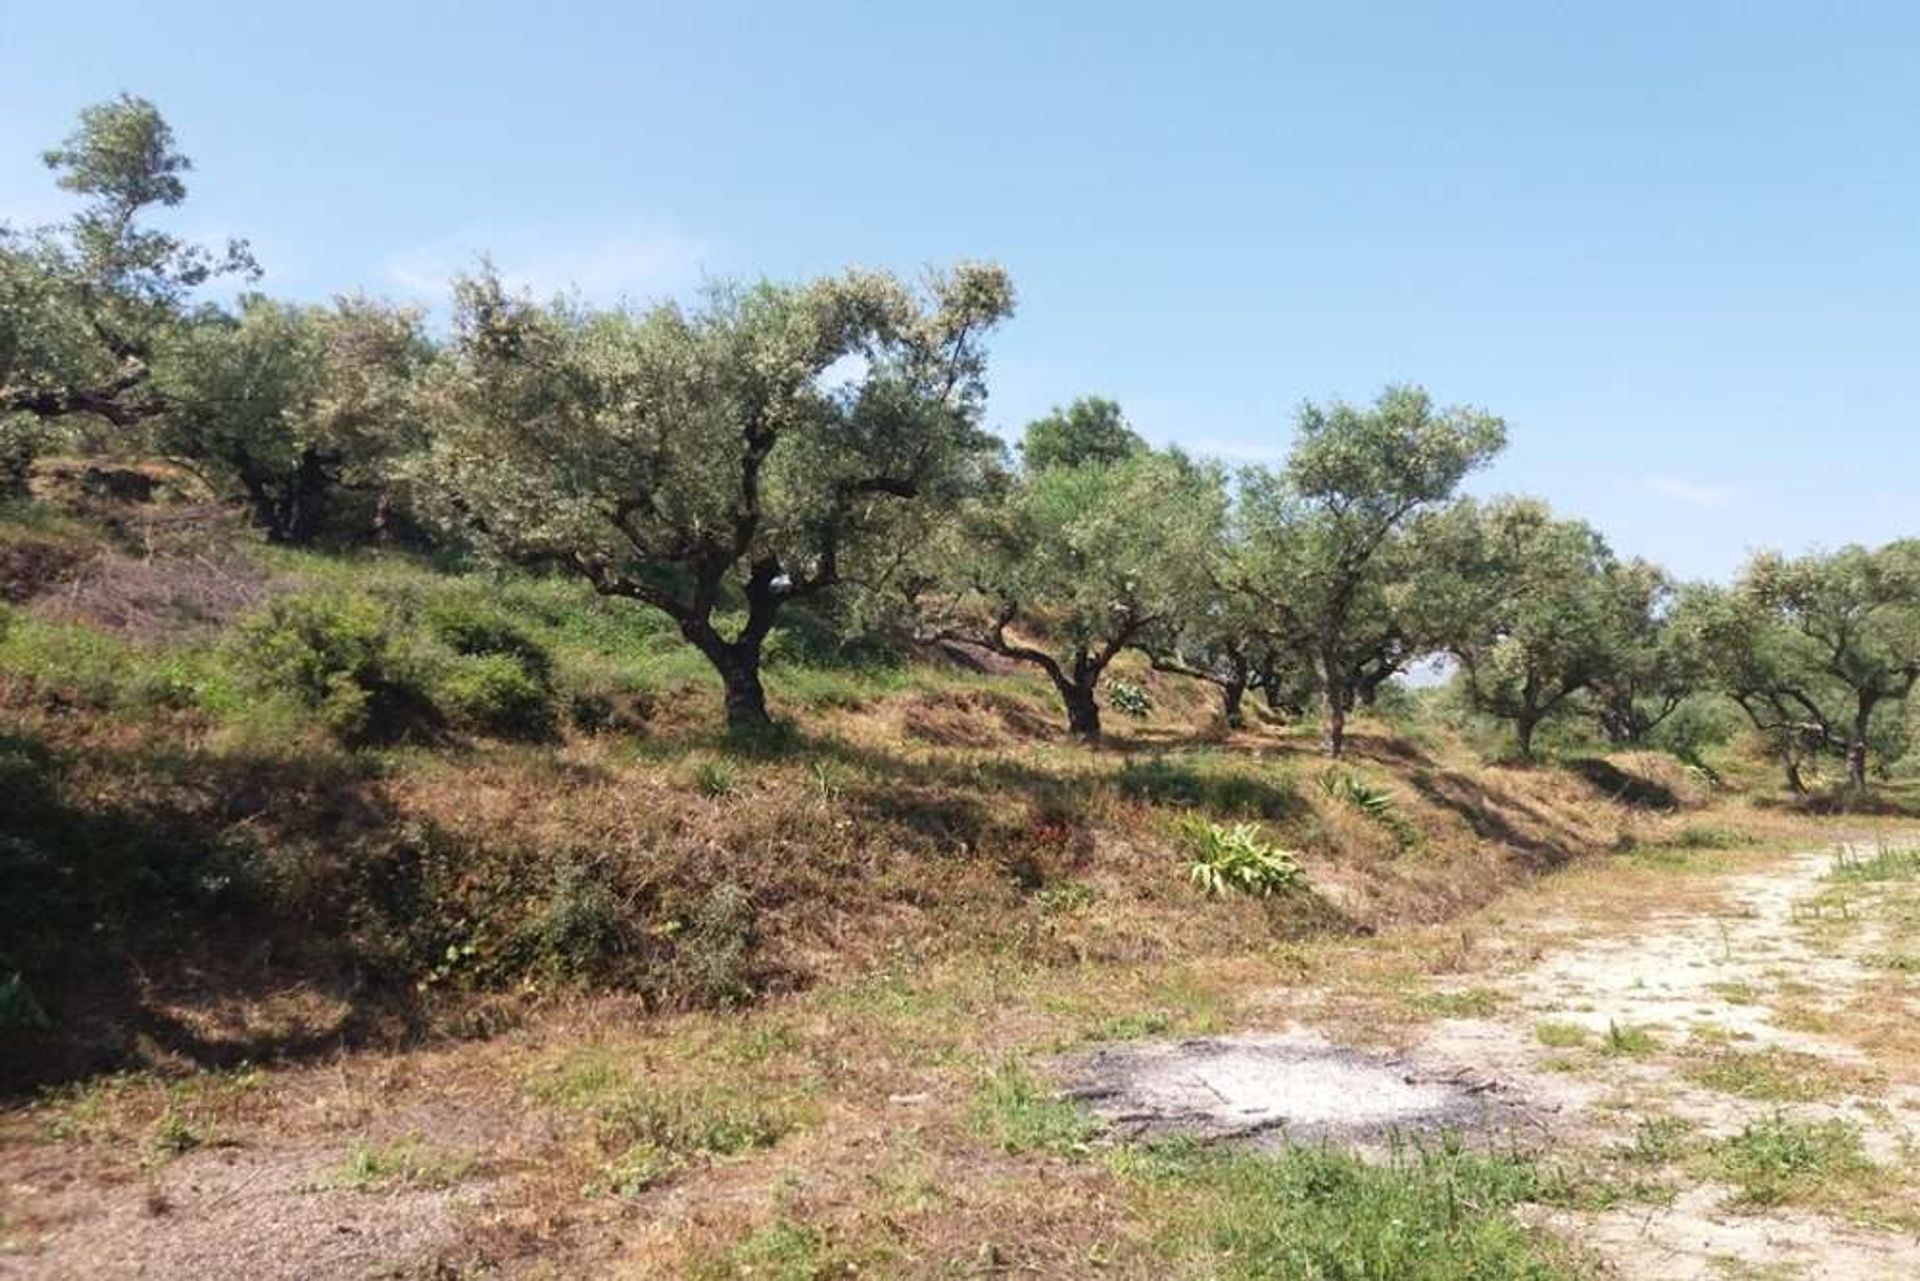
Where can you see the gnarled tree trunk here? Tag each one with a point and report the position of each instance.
(1083, 708)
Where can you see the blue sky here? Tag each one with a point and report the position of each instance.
(1677, 246)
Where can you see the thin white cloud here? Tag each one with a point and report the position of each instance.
(1688, 492)
(1238, 451)
(602, 267)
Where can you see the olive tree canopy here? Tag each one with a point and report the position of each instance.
(1852, 637)
(1074, 565)
(288, 403)
(83, 303)
(707, 461)
(1324, 535)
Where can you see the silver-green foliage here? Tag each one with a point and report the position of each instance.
(758, 448)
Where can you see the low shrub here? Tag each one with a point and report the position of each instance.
(355, 662)
(496, 694)
(339, 656)
(1238, 859)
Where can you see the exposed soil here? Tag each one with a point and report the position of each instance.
(1296, 1088)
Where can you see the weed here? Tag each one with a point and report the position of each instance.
(1018, 1114)
(1559, 1036)
(1065, 897)
(1238, 859)
(407, 1162)
(1771, 1075)
(1428, 1213)
(1657, 1141)
(1471, 1003)
(1777, 1160)
(174, 1136)
(1709, 838)
(1374, 801)
(642, 1166)
(1369, 799)
(1886, 863)
(782, 1251)
(713, 778)
(1132, 1027)
(1627, 1040)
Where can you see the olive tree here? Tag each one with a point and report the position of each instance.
(1222, 638)
(1763, 668)
(1656, 666)
(84, 303)
(289, 404)
(1547, 613)
(1327, 537)
(1072, 566)
(1855, 617)
(706, 461)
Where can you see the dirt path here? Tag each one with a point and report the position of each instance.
(1695, 1028)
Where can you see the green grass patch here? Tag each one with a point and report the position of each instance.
(1428, 1213)
(1017, 1113)
(1559, 1035)
(1778, 1160)
(1469, 1003)
(783, 1250)
(1627, 1040)
(653, 1128)
(1886, 863)
(1770, 1075)
(1657, 1141)
(1709, 838)
(400, 1163)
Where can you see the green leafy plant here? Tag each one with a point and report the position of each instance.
(339, 655)
(1238, 859)
(1125, 696)
(1376, 802)
(1344, 785)
(18, 1009)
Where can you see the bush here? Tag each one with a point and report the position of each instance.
(474, 629)
(496, 694)
(337, 655)
(582, 928)
(352, 661)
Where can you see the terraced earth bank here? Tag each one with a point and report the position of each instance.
(1681, 1063)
